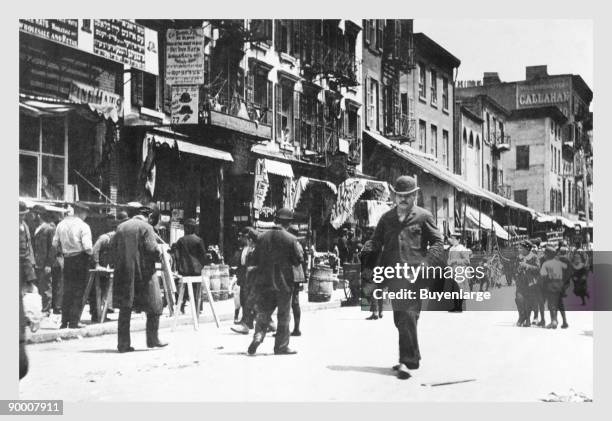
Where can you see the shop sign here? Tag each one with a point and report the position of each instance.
(543, 93)
(106, 102)
(119, 40)
(185, 56)
(184, 107)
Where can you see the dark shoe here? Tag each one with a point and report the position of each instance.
(403, 373)
(64, 326)
(542, 324)
(253, 347)
(296, 333)
(127, 349)
(286, 351)
(380, 315)
(564, 326)
(242, 329)
(157, 344)
(372, 317)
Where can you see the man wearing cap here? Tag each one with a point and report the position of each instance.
(526, 283)
(276, 253)
(458, 258)
(136, 286)
(189, 253)
(73, 240)
(406, 234)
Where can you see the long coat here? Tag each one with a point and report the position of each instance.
(136, 252)
(276, 252)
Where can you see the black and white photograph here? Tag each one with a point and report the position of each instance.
(305, 210)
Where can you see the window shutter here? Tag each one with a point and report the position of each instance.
(277, 35)
(269, 103)
(380, 110)
(366, 32)
(359, 128)
(250, 87)
(367, 102)
(278, 103)
(396, 109)
(345, 126)
(296, 118)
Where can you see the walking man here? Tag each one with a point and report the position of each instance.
(406, 234)
(73, 240)
(247, 271)
(136, 286)
(526, 283)
(45, 255)
(277, 252)
(458, 257)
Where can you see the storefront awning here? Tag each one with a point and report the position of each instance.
(43, 106)
(278, 168)
(485, 222)
(188, 147)
(303, 182)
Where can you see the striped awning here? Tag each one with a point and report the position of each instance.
(278, 168)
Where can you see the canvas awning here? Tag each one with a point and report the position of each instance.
(279, 168)
(303, 182)
(485, 222)
(42, 106)
(188, 147)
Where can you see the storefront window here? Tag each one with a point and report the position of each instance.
(42, 162)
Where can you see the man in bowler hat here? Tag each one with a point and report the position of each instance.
(276, 254)
(406, 234)
(136, 286)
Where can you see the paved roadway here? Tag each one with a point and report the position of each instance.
(342, 357)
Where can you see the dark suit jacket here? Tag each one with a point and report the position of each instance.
(276, 252)
(190, 254)
(44, 252)
(135, 250)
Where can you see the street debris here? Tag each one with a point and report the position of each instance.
(572, 396)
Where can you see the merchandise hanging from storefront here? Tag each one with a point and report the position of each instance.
(349, 193)
(261, 184)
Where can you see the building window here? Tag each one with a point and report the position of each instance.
(552, 158)
(488, 129)
(434, 87)
(434, 208)
(372, 29)
(309, 112)
(501, 177)
(477, 142)
(434, 141)
(373, 104)
(422, 136)
(446, 146)
(522, 157)
(42, 157)
(520, 196)
(284, 111)
(422, 82)
(259, 95)
(464, 136)
(380, 26)
(262, 30)
(488, 177)
(552, 200)
(445, 93)
(446, 213)
(471, 140)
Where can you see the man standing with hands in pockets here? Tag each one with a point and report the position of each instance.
(406, 234)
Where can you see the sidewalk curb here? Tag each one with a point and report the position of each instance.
(165, 322)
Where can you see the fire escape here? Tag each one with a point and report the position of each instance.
(398, 57)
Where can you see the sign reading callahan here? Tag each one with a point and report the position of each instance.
(552, 92)
(185, 56)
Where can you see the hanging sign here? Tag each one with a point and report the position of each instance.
(185, 104)
(185, 56)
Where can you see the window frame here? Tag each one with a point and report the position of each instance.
(433, 86)
(445, 93)
(422, 82)
(525, 157)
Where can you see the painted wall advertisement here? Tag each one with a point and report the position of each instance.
(185, 56)
(551, 92)
(184, 107)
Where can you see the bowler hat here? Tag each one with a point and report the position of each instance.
(122, 216)
(405, 185)
(39, 209)
(23, 208)
(284, 214)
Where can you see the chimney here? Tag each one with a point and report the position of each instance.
(490, 78)
(534, 72)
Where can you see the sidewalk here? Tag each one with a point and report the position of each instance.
(50, 332)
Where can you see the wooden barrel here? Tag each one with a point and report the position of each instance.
(224, 282)
(321, 284)
(215, 282)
